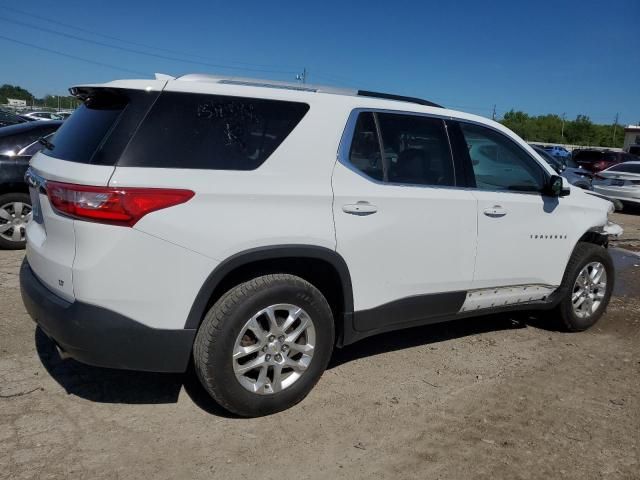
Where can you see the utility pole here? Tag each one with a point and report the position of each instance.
(562, 130)
(493, 115)
(615, 124)
(302, 77)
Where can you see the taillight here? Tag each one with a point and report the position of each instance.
(601, 165)
(123, 206)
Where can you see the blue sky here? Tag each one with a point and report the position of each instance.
(540, 56)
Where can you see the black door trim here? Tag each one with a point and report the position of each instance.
(201, 302)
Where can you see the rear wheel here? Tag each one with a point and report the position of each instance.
(263, 346)
(588, 281)
(15, 213)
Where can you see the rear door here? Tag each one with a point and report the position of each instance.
(83, 151)
(406, 232)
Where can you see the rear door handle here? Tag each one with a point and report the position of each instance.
(495, 212)
(360, 208)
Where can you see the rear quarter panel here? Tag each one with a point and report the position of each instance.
(287, 200)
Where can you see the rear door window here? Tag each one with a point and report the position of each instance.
(186, 130)
(416, 149)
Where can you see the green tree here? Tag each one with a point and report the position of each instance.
(14, 91)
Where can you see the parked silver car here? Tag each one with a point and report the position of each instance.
(574, 173)
(620, 182)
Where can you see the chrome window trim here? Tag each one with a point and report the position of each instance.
(347, 137)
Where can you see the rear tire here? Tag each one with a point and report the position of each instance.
(588, 282)
(12, 221)
(255, 324)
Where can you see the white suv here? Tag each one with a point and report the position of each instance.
(253, 226)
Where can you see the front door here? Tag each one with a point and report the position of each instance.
(524, 236)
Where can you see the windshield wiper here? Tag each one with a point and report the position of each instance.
(47, 144)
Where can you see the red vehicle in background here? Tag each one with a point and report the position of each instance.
(596, 160)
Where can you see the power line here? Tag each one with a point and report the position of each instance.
(139, 52)
(74, 57)
(117, 39)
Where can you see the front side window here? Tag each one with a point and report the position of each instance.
(499, 163)
(416, 149)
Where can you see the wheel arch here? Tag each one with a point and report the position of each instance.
(322, 267)
(594, 235)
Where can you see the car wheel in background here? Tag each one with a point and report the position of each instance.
(15, 213)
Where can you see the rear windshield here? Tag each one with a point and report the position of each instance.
(187, 130)
(100, 128)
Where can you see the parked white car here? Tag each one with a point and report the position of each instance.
(43, 116)
(253, 226)
(622, 182)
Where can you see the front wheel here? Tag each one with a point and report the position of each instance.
(263, 346)
(588, 283)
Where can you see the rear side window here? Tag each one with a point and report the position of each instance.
(80, 135)
(416, 149)
(185, 130)
(101, 127)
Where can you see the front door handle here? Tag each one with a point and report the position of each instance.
(495, 212)
(360, 208)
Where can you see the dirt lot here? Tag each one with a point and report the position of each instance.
(493, 397)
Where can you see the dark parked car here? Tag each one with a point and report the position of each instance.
(597, 160)
(8, 118)
(18, 143)
(574, 173)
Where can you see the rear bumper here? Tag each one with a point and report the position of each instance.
(98, 336)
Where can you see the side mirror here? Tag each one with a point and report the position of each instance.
(556, 188)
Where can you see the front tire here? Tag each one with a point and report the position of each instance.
(263, 345)
(588, 283)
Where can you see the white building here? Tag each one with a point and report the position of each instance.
(632, 139)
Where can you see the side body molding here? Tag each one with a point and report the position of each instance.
(246, 257)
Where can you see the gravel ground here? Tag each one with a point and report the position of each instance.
(493, 397)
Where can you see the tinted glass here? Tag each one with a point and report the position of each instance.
(625, 167)
(185, 130)
(416, 150)
(365, 148)
(80, 135)
(499, 163)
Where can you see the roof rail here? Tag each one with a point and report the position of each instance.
(402, 98)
